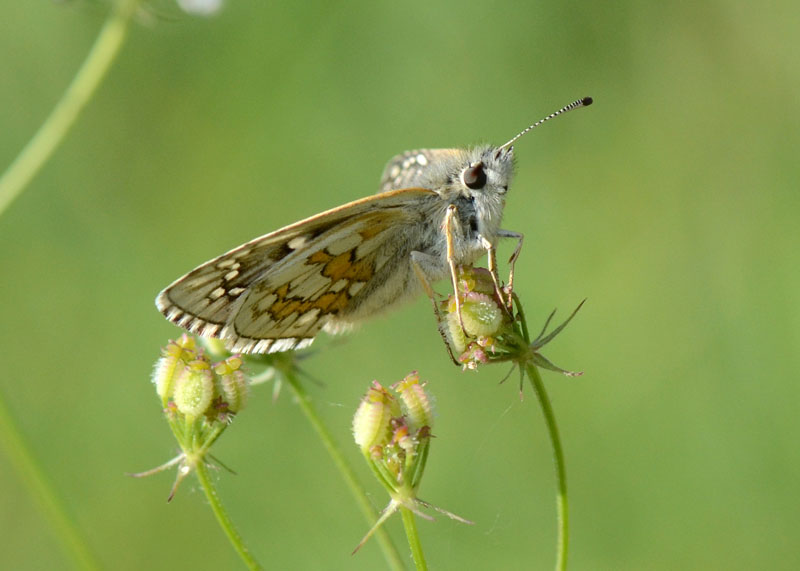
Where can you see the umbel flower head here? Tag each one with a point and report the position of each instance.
(393, 430)
(200, 399)
(192, 386)
(483, 328)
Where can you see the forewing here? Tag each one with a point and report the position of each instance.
(412, 168)
(276, 292)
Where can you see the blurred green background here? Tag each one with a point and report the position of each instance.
(672, 205)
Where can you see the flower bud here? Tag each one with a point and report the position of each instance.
(481, 315)
(194, 389)
(418, 406)
(174, 358)
(233, 383)
(478, 280)
(455, 333)
(371, 423)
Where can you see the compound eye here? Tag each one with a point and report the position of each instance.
(474, 176)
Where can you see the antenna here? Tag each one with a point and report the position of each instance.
(585, 102)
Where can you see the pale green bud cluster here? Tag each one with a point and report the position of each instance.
(482, 319)
(190, 385)
(481, 325)
(199, 398)
(393, 431)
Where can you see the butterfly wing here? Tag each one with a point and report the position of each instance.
(276, 292)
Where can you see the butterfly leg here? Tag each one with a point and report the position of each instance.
(451, 259)
(417, 260)
(491, 254)
(512, 260)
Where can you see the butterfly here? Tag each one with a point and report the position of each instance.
(436, 209)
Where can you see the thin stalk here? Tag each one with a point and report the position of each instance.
(33, 478)
(390, 553)
(562, 505)
(84, 84)
(410, 524)
(222, 516)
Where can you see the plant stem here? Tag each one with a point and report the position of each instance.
(562, 505)
(410, 524)
(222, 516)
(83, 86)
(390, 553)
(32, 477)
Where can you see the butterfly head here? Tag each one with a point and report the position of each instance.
(486, 170)
(477, 182)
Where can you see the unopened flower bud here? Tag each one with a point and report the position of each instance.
(417, 404)
(233, 383)
(477, 280)
(173, 360)
(481, 315)
(194, 389)
(455, 333)
(371, 423)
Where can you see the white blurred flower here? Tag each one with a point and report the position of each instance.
(201, 7)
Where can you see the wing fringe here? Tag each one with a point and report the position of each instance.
(234, 342)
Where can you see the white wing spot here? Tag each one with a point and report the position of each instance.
(217, 293)
(307, 317)
(296, 243)
(235, 291)
(231, 274)
(226, 264)
(338, 286)
(395, 171)
(422, 159)
(355, 287)
(241, 253)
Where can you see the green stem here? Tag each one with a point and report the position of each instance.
(32, 477)
(562, 505)
(222, 516)
(390, 553)
(83, 85)
(410, 524)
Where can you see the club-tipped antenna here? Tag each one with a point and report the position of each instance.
(585, 102)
